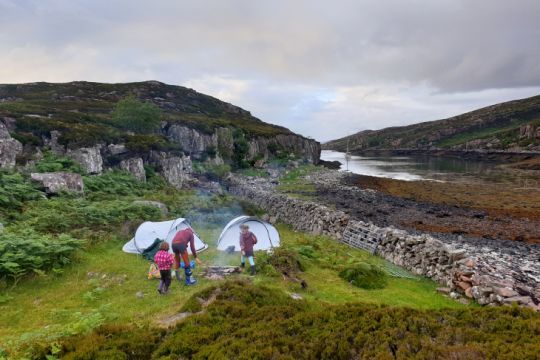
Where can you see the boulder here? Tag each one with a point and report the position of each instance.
(56, 182)
(456, 255)
(159, 205)
(9, 148)
(89, 158)
(505, 292)
(135, 166)
(521, 300)
(4, 132)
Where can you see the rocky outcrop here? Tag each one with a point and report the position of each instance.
(52, 143)
(55, 182)
(175, 169)
(135, 166)
(193, 142)
(298, 146)
(89, 158)
(221, 141)
(488, 274)
(9, 148)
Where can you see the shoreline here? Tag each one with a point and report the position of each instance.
(481, 155)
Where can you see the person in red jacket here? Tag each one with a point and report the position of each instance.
(180, 243)
(247, 241)
(164, 261)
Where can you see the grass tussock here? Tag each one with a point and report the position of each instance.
(365, 276)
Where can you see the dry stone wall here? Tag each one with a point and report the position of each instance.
(478, 273)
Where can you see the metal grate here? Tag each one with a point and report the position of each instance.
(358, 236)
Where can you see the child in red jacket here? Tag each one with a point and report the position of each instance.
(247, 241)
(164, 261)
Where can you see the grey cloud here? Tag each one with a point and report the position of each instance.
(454, 45)
(321, 68)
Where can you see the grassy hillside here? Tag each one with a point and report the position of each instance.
(82, 110)
(499, 127)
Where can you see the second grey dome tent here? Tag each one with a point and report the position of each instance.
(267, 235)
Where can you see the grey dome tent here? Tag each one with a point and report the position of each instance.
(149, 234)
(267, 235)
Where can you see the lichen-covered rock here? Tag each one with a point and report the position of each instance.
(89, 158)
(176, 170)
(56, 182)
(135, 166)
(193, 142)
(9, 148)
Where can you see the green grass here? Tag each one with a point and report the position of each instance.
(293, 182)
(98, 287)
(59, 302)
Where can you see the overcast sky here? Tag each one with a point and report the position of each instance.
(324, 69)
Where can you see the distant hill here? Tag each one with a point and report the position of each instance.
(82, 102)
(512, 125)
(76, 115)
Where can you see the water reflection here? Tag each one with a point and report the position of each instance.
(412, 167)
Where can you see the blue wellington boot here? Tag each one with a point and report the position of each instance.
(189, 279)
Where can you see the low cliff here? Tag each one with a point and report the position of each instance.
(75, 120)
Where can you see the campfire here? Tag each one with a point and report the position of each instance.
(219, 272)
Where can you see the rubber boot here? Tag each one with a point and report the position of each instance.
(160, 288)
(177, 275)
(189, 279)
(252, 270)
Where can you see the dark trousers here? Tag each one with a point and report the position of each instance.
(165, 279)
(180, 253)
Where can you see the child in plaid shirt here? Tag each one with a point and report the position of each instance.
(164, 261)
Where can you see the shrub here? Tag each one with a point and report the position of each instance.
(143, 143)
(113, 342)
(365, 276)
(25, 251)
(60, 215)
(241, 148)
(284, 261)
(216, 172)
(14, 191)
(52, 163)
(135, 115)
(257, 322)
(113, 183)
